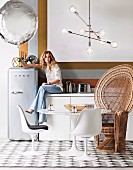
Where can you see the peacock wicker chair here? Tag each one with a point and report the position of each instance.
(114, 93)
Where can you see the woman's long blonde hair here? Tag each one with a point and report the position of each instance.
(42, 59)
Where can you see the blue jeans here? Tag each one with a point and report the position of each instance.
(40, 100)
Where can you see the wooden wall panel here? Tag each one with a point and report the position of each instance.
(90, 65)
(23, 50)
(42, 26)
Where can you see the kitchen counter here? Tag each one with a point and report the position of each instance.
(72, 95)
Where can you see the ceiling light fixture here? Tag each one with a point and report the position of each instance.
(91, 34)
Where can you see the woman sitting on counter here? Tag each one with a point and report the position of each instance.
(53, 84)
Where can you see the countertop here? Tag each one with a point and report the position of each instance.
(72, 95)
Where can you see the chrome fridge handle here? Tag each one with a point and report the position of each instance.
(17, 92)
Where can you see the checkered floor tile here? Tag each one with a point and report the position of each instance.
(11, 155)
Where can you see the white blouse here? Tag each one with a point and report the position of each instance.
(54, 74)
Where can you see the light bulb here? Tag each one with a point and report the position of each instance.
(114, 44)
(64, 31)
(72, 9)
(89, 50)
(82, 31)
(101, 33)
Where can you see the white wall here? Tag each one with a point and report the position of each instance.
(115, 17)
(7, 52)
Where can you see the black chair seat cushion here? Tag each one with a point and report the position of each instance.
(36, 127)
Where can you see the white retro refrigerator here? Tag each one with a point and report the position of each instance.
(22, 85)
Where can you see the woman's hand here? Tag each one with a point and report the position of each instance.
(52, 82)
(32, 65)
(46, 83)
(24, 64)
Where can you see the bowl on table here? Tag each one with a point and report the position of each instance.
(78, 107)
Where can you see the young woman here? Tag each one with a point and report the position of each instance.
(53, 84)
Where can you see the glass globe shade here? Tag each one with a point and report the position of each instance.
(82, 31)
(72, 9)
(101, 33)
(89, 50)
(64, 31)
(18, 22)
(114, 44)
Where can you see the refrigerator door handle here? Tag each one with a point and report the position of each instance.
(17, 92)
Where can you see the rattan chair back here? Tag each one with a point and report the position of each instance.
(114, 90)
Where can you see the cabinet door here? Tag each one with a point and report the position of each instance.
(82, 100)
(59, 125)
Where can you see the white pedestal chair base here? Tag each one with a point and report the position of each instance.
(32, 151)
(86, 157)
(71, 152)
(74, 151)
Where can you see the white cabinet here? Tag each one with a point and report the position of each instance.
(60, 125)
(82, 100)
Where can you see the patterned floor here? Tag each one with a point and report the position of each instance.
(10, 155)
